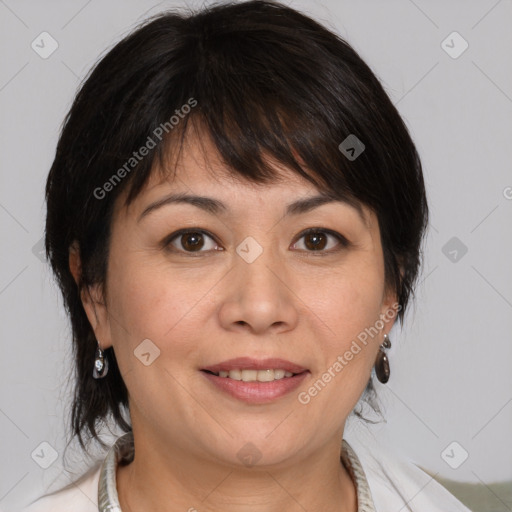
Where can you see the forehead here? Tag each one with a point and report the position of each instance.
(195, 167)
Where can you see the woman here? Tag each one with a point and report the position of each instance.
(235, 214)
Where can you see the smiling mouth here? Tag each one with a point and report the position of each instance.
(269, 375)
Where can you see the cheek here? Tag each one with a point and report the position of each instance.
(154, 301)
(150, 304)
(351, 299)
(350, 305)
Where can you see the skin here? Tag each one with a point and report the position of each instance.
(201, 308)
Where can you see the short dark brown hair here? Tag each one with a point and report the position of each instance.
(267, 81)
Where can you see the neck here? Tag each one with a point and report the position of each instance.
(171, 480)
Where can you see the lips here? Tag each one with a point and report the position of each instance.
(256, 381)
(255, 392)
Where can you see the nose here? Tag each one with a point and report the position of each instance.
(259, 296)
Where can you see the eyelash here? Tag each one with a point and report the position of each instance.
(343, 242)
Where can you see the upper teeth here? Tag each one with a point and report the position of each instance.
(256, 375)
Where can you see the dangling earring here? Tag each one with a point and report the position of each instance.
(100, 364)
(382, 363)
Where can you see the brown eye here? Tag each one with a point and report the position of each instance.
(315, 241)
(190, 241)
(320, 240)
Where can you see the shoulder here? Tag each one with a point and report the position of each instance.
(79, 496)
(398, 484)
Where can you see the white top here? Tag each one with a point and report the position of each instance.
(383, 481)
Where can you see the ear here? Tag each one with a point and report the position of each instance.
(92, 300)
(389, 310)
(390, 306)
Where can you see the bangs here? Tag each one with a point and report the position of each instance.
(255, 157)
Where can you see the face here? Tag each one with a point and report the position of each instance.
(245, 282)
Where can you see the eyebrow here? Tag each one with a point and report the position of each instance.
(217, 207)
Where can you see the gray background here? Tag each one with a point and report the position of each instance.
(451, 364)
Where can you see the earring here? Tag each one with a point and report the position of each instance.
(382, 363)
(100, 364)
